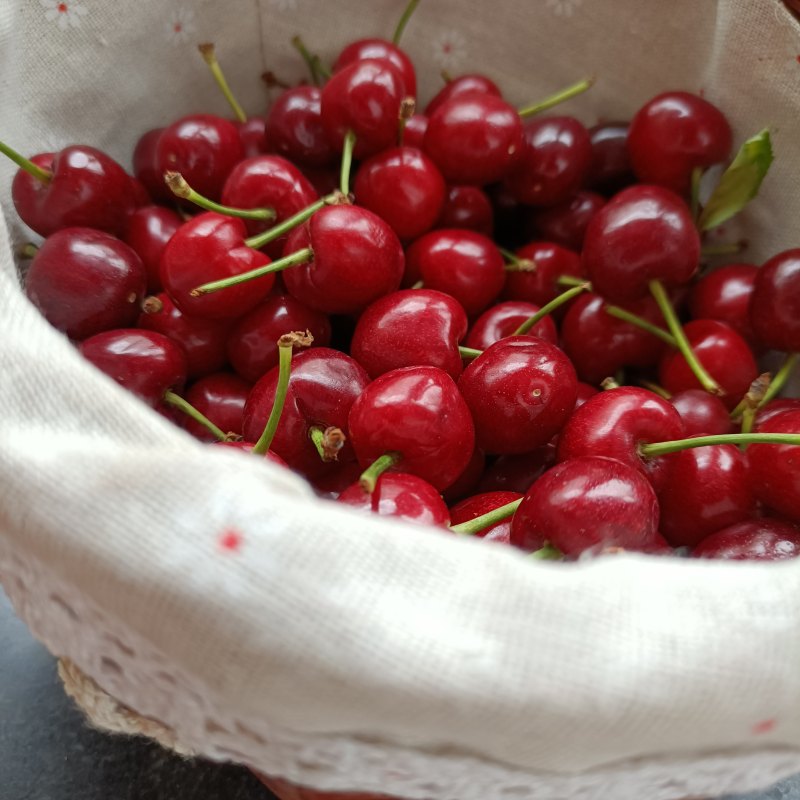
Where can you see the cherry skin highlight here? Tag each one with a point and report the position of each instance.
(762, 539)
(380, 50)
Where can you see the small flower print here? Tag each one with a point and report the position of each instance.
(66, 13)
(765, 726)
(230, 540)
(283, 5)
(564, 8)
(449, 49)
(180, 26)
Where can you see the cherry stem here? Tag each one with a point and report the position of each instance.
(176, 401)
(27, 250)
(726, 249)
(656, 389)
(516, 264)
(681, 342)
(300, 257)
(694, 202)
(447, 76)
(569, 280)
(210, 57)
(640, 322)
(40, 174)
(469, 352)
(180, 188)
(328, 442)
(285, 345)
(547, 553)
(780, 379)
(347, 162)
(654, 449)
(408, 106)
(312, 61)
(369, 477)
(548, 308)
(418, 285)
(558, 97)
(607, 384)
(487, 520)
(403, 21)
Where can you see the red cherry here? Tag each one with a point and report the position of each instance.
(775, 303)
(585, 391)
(403, 187)
(139, 197)
(325, 180)
(414, 131)
(220, 397)
(644, 233)
(294, 128)
(467, 207)
(418, 413)
(725, 295)
(756, 539)
(380, 50)
(143, 362)
(148, 231)
(721, 350)
(610, 169)
(86, 189)
(460, 86)
(331, 484)
(674, 133)
(586, 504)
(203, 148)
(247, 447)
(540, 285)
(566, 223)
(467, 481)
(85, 281)
(520, 391)
(145, 167)
(503, 319)
(773, 408)
(702, 413)
(474, 138)
(461, 263)
(553, 163)
(517, 473)
(397, 494)
(253, 342)
(410, 328)
(481, 504)
(252, 135)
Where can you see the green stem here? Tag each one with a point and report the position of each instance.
(180, 188)
(487, 520)
(681, 342)
(418, 285)
(469, 352)
(328, 442)
(27, 250)
(656, 389)
(509, 255)
(369, 477)
(25, 163)
(321, 68)
(547, 553)
(558, 97)
(347, 162)
(210, 57)
(663, 448)
(275, 232)
(641, 322)
(408, 106)
(548, 308)
(312, 61)
(748, 418)
(300, 257)
(571, 280)
(781, 376)
(176, 401)
(694, 202)
(403, 21)
(726, 249)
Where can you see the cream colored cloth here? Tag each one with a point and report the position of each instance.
(355, 652)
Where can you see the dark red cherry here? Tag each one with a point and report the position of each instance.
(702, 413)
(539, 285)
(674, 133)
(467, 482)
(410, 328)
(566, 223)
(403, 187)
(418, 413)
(363, 97)
(380, 50)
(587, 504)
(726, 356)
(517, 473)
(553, 163)
(85, 281)
(474, 138)
(480, 504)
(139, 197)
(520, 391)
(399, 494)
(467, 207)
(252, 135)
(203, 148)
(325, 180)
(414, 131)
(644, 233)
(331, 484)
(762, 539)
(610, 168)
(585, 391)
(86, 189)
(503, 319)
(247, 447)
(253, 342)
(294, 128)
(145, 167)
(143, 362)
(203, 340)
(148, 230)
(462, 85)
(357, 259)
(207, 248)
(461, 263)
(220, 397)
(775, 303)
(775, 407)
(724, 295)
(704, 489)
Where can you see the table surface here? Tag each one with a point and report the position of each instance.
(47, 752)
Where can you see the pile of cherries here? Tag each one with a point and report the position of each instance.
(580, 383)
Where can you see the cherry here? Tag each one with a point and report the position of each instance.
(252, 343)
(610, 168)
(414, 131)
(553, 162)
(203, 148)
(474, 138)
(775, 407)
(725, 295)
(585, 391)
(464, 264)
(775, 303)
(462, 85)
(252, 135)
(220, 397)
(145, 167)
(467, 481)
(480, 504)
(203, 340)
(539, 285)
(143, 362)
(517, 473)
(702, 413)
(467, 207)
(403, 187)
(674, 134)
(85, 281)
(704, 489)
(294, 128)
(503, 319)
(325, 180)
(418, 414)
(331, 484)
(380, 50)
(725, 355)
(566, 223)
(397, 494)
(642, 234)
(756, 539)
(148, 231)
(520, 391)
(247, 447)
(587, 504)
(410, 328)
(139, 198)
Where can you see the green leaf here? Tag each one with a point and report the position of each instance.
(739, 183)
